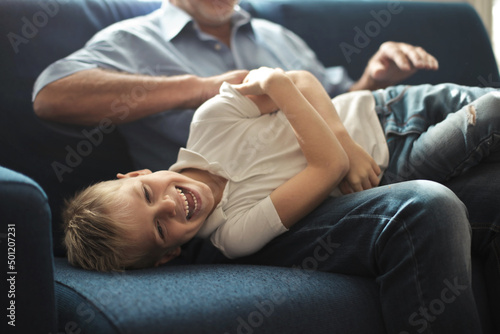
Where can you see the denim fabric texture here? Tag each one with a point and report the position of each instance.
(450, 134)
(413, 238)
(438, 132)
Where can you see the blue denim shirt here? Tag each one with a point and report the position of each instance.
(168, 42)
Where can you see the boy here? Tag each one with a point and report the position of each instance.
(176, 206)
(247, 177)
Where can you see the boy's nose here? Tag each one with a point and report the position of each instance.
(168, 206)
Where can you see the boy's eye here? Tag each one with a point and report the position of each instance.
(160, 230)
(146, 194)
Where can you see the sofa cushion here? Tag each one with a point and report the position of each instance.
(214, 299)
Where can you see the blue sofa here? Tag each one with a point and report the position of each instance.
(41, 293)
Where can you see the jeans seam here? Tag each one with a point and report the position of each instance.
(415, 268)
(496, 253)
(355, 217)
(485, 226)
(469, 156)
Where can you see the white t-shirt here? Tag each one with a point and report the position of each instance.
(256, 154)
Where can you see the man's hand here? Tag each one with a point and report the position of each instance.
(211, 85)
(393, 63)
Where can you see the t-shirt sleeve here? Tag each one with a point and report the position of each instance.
(245, 233)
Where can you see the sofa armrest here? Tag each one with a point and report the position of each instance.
(26, 256)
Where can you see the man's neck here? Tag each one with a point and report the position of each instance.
(222, 33)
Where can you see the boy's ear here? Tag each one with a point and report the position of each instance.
(170, 255)
(133, 174)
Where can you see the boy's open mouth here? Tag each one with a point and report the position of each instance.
(189, 200)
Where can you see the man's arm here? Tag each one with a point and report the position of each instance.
(327, 162)
(89, 96)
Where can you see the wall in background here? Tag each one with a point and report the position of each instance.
(485, 10)
(496, 29)
(483, 7)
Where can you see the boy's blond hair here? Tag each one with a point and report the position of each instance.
(95, 236)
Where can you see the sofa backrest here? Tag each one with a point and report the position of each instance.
(348, 33)
(36, 33)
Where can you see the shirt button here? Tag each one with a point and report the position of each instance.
(217, 47)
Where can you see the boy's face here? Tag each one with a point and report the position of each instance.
(167, 209)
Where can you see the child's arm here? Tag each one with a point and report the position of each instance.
(364, 171)
(327, 162)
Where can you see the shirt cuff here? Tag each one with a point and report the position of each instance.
(59, 70)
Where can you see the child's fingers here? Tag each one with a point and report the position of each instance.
(242, 88)
(345, 188)
(362, 181)
(367, 183)
(376, 168)
(249, 88)
(356, 181)
(374, 179)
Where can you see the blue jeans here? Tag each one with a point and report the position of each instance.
(451, 134)
(438, 132)
(413, 238)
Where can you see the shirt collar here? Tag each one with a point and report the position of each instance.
(174, 19)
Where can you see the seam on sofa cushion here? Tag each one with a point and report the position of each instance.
(83, 299)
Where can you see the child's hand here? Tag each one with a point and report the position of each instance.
(363, 172)
(254, 87)
(256, 82)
